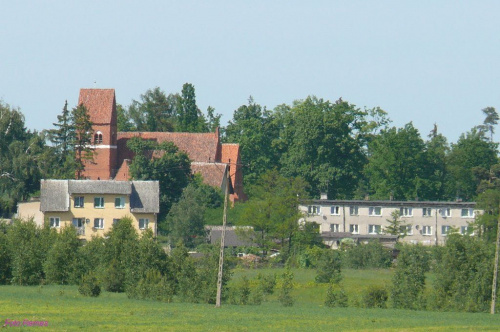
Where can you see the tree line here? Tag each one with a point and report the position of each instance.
(124, 261)
(333, 147)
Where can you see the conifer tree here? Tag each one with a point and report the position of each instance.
(63, 135)
(82, 139)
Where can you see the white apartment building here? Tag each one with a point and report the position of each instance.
(427, 223)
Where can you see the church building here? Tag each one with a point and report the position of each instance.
(209, 157)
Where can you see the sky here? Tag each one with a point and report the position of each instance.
(421, 61)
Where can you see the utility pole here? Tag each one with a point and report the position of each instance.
(495, 272)
(223, 234)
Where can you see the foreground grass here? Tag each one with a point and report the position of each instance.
(65, 309)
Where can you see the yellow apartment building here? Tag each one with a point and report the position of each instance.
(93, 206)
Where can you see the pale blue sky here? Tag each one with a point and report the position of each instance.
(422, 61)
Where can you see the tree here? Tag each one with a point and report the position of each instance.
(254, 128)
(434, 169)
(61, 257)
(487, 222)
(123, 119)
(185, 220)
(464, 274)
(397, 226)
(190, 118)
(471, 156)
(490, 121)
(213, 119)
(396, 164)
(408, 281)
(29, 247)
(120, 256)
(5, 254)
(322, 142)
(64, 134)
(163, 162)
(272, 210)
(154, 112)
(82, 139)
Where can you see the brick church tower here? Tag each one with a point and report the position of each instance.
(101, 105)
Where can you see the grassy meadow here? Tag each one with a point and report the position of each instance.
(65, 309)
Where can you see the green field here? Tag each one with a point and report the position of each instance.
(64, 309)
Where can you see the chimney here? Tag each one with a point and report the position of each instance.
(323, 196)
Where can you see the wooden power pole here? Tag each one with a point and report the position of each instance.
(495, 272)
(223, 234)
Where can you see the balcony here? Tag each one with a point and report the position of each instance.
(80, 231)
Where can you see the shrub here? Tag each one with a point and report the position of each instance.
(267, 283)
(257, 297)
(310, 257)
(370, 255)
(375, 297)
(244, 290)
(336, 296)
(464, 275)
(285, 297)
(89, 286)
(408, 281)
(329, 267)
(154, 286)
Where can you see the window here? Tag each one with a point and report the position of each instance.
(314, 209)
(467, 230)
(120, 202)
(445, 212)
(374, 229)
(78, 202)
(406, 230)
(354, 229)
(427, 230)
(426, 212)
(143, 223)
(467, 213)
(98, 138)
(334, 228)
(406, 212)
(98, 202)
(115, 221)
(54, 221)
(335, 210)
(78, 222)
(375, 211)
(445, 230)
(353, 210)
(99, 223)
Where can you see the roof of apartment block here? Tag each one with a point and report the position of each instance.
(99, 103)
(390, 203)
(55, 194)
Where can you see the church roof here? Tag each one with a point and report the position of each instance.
(99, 103)
(213, 173)
(200, 147)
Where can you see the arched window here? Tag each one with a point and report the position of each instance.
(98, 138)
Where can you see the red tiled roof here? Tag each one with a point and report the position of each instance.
(200, 147)
(123, 173)
(213, 173)
(99, 103)
(230, 152)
